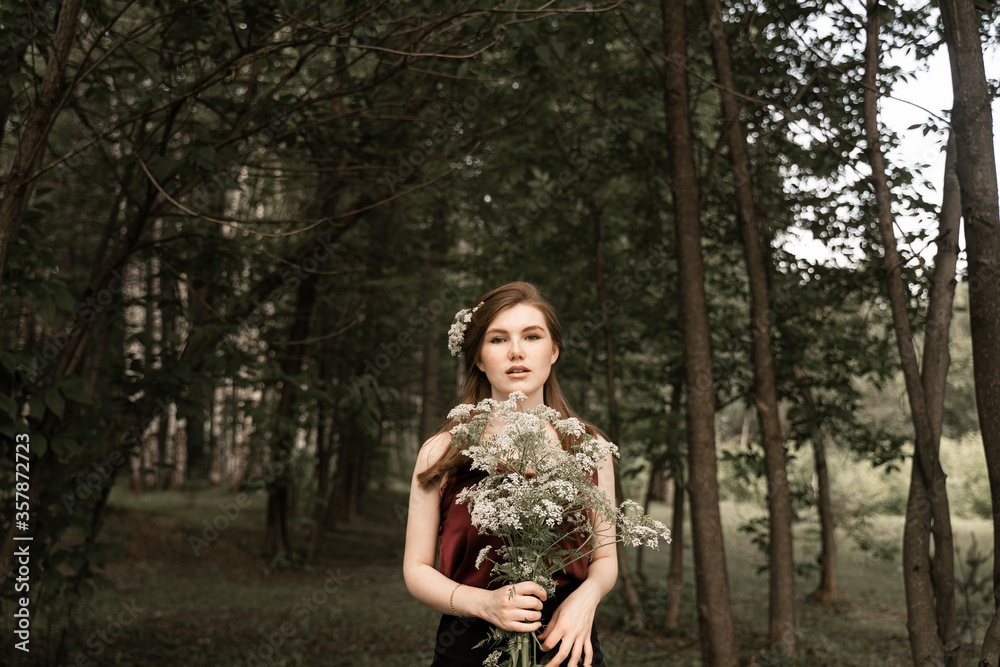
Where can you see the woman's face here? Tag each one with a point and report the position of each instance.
(517, 353)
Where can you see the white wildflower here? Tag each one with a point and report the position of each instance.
(514, 398)
(549, 512)
(571, 427)
(636, 527)
(456, 334)
(460, 413)
(483, 555)
(546, 414)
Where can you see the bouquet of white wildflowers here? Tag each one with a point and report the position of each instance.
(535, 496)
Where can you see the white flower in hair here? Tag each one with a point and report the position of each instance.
(456, 334)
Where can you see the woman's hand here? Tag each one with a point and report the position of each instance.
(517, 608)
(570, 628)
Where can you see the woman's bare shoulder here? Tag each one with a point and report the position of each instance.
(432, 450)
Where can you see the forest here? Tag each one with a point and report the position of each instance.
(233, 236)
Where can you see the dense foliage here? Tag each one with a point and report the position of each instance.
(237, 232)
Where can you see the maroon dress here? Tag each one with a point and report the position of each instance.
(460, 544)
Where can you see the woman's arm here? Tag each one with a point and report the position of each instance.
(573, 620)
(519, 612)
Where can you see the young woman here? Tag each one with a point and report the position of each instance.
(511, 343)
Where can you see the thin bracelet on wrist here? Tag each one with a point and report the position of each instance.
(451, 601)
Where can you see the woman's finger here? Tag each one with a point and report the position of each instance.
(560, 656)
(530, 625)
(575, 655)
(524, 600)
(530, 602)
(530, 588)
(521, 620)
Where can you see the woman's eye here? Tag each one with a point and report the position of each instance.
(533, 337)
(497, 340)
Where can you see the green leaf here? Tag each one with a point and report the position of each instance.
(73, 389)
(162, 166)
(8, 361)
(102, 583)
(52, 579)
(94, 555)
(64, 299)
(63, 447)
(55, 401)
(204, 156)
(46, 309)
(39, 444)
(36, 406)
(76, 561)
(9, 407)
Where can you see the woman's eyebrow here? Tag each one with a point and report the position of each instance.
(504, 331)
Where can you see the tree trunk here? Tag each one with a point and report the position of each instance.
(934, 376)
(632, 600)
(34, 132)
(199, 459)
(929, 585)
(324, 437)
(277, 537)
(324, 456)
(976, 166)
(430, 418)
(345, 489)
(356, 421)
(164, 463)
(715, 620)
(675, 578)
(640, 551)
(827, 591)
(660, 487)
(781, 564)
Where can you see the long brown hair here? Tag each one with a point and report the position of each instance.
(477, 386)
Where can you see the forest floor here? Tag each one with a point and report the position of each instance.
(349, 607)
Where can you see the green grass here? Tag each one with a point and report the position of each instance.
(224, 607)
